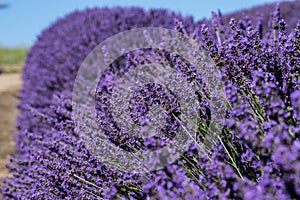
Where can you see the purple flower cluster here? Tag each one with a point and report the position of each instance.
(51, 161)
(261, 15)
(253, 154)
(261, 132)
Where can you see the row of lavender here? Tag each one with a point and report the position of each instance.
(256, 155)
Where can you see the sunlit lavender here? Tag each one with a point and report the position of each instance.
(251, 152)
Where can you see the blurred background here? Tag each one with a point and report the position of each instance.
(21, 22)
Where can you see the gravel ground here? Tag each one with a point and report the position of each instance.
(9, 88)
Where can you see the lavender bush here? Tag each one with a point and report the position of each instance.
(254, 154)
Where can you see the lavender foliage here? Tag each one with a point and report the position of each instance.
(255, 155)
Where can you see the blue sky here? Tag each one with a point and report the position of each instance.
(23, 20)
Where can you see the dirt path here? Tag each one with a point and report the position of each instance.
(9, 88)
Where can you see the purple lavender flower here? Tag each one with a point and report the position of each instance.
(255, 154)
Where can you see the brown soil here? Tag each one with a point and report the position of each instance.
(9, 88)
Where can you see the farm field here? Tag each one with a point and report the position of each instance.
(11, 59)
(101, 109)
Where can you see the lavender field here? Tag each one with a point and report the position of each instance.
(204, 109)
